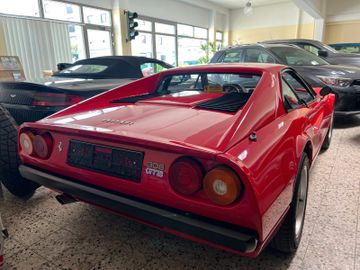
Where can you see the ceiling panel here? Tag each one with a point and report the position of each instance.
(231, 4)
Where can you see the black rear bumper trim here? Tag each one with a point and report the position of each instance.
(244, 242)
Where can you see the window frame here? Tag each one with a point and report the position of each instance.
(82, 24)
(299, 79)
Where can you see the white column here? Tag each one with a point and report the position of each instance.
(319, 29)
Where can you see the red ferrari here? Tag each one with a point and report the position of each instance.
(219, 154)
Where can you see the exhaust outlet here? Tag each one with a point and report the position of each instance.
(65, 199)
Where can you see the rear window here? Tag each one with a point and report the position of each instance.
(209, 83)
(84, 69)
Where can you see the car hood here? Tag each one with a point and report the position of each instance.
(310, 73)
(350, 59)
(155, 121)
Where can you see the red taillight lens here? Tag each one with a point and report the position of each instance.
(185, 176)
(222, 185)
(55, 99)
(43, 145)
(26, 142)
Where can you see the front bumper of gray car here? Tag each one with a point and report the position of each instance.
(347, 100)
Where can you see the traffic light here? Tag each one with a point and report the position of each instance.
(131, 25)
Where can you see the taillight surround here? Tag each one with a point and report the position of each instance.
(36, 143)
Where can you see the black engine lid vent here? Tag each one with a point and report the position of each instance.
(231, 102)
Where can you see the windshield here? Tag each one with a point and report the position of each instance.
(84, 69)
(188, 84)
(331, 49)
(297, 57)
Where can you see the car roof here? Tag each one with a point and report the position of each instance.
(228, 67)
(132, 60)
(259, 44)
(291, 40)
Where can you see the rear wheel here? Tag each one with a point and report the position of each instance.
(288, 237)
(327, 140)
(9, 158)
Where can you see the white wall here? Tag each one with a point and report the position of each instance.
(279, 14)
(337, 10)
(171, 10)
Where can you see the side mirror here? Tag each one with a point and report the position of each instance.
(326, 91)
(323, 53)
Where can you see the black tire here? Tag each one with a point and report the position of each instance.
(288, 237)
(327, 140)
(9, 158)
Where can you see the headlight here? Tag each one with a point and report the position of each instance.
(336, 81)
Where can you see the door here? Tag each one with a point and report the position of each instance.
(297, 94)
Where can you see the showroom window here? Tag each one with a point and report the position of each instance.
(156, 39)
(191, 44)
(73, 32)
(61, 11)
(219, 38)
(89, 28)
(176, 44)
(20, 7)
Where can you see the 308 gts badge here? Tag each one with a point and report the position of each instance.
(155, 169)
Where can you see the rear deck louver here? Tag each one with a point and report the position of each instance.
(231, 102)
(134, 99)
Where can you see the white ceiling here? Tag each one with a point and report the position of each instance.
(232, 4)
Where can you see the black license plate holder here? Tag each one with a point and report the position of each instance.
(123, 163)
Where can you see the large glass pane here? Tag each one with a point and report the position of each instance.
(185, 30)
(61, 11)
(190, 51)
(20, 7)
(200, 32)
(219, 36)
(77, 42)
(142, 45)
(144, 25)
(165, 49)
(165, 28)
(97, 16)
(99, 43)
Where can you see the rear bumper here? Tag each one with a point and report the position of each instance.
(197, 228)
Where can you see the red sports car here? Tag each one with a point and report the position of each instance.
(219, 154)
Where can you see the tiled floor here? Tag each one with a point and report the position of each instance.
(46, 235)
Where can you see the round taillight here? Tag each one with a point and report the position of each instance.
(26, 142)
(222, 185)
(185, 176)
(43, 145)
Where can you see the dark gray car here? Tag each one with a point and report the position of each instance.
(344, 80)
(322, 50)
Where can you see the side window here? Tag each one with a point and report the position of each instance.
(311, 49)
(148, 69)
(257, 56)
(291, 101)
(298, 87)
(232, 57)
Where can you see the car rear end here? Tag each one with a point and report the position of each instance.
(148, 181)
(28, 102)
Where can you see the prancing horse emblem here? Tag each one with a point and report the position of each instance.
(60, 147)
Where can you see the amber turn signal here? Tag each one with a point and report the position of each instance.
(222, 185)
